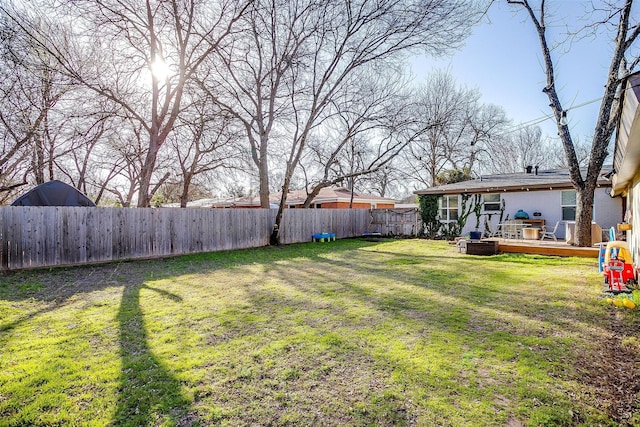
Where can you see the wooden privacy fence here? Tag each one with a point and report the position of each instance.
(395, 222)
(33, 237)
(299, 224)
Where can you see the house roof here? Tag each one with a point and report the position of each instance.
(626, 156)
(295, 197)
(510, 182)
(331, 194)
(242, 202)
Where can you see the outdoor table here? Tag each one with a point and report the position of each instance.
(513, 229)
(535, 222)
(323, 237)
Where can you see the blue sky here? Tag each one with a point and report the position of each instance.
(502, 60)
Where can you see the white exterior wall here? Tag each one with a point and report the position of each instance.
(633, 236)
(607, 210)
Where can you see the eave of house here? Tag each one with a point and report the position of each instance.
(499, 189)
(509, 183)
(627, 151)
(508, 189)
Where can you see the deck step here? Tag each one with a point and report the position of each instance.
(538, 249)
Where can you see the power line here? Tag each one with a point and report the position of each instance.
(546, 117)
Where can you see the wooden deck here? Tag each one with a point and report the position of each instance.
(544, 247)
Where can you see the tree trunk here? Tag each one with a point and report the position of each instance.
(38, 160)
(584, 216)
(144, 199)
(275, 234)
(184, 197)
(263, 172)
(607, 116)
(143, 193)
(352, 190)
(311, 196)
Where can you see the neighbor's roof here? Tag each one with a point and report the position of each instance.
(331, 194)
(509, 182)
(295, 197)
(243, 202)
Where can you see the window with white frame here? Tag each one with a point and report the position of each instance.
(568, 205)
(448, 208)
(491, 202)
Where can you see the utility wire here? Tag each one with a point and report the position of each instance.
(546, 117)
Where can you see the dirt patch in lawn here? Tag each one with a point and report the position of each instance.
(611, 368)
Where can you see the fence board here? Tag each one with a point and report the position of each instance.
(395, 222)
(299, 224)
(33, 237)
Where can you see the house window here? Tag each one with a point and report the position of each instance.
(568, 205)
(491, 202)
(318, 205)
(448, 208)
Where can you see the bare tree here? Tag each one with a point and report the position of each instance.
(386, 182)
(283, 79)
(138, 57)
(45, 141)
(582, 149)
(461, 126)
(127, 150)
(366, 128)
(81, 160)
(203, 142)
(514, 150)
(484, 123)
(29, 89)
(448, 106)
(254, 77)
(622, 63)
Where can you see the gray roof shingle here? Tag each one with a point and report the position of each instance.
(543, 180)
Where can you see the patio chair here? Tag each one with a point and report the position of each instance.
(513, 229)
(507, 230)
(550, 233)
(494, 232)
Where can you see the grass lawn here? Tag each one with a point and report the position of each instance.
(405, 332)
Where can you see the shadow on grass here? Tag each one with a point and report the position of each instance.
(436, 274)
(149, 394)
(430, 272)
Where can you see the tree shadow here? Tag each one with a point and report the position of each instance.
(148, 394)
(52, 289)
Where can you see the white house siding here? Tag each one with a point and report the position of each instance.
(633, 236)
(607, 211)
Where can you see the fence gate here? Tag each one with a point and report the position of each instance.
(395, 222)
